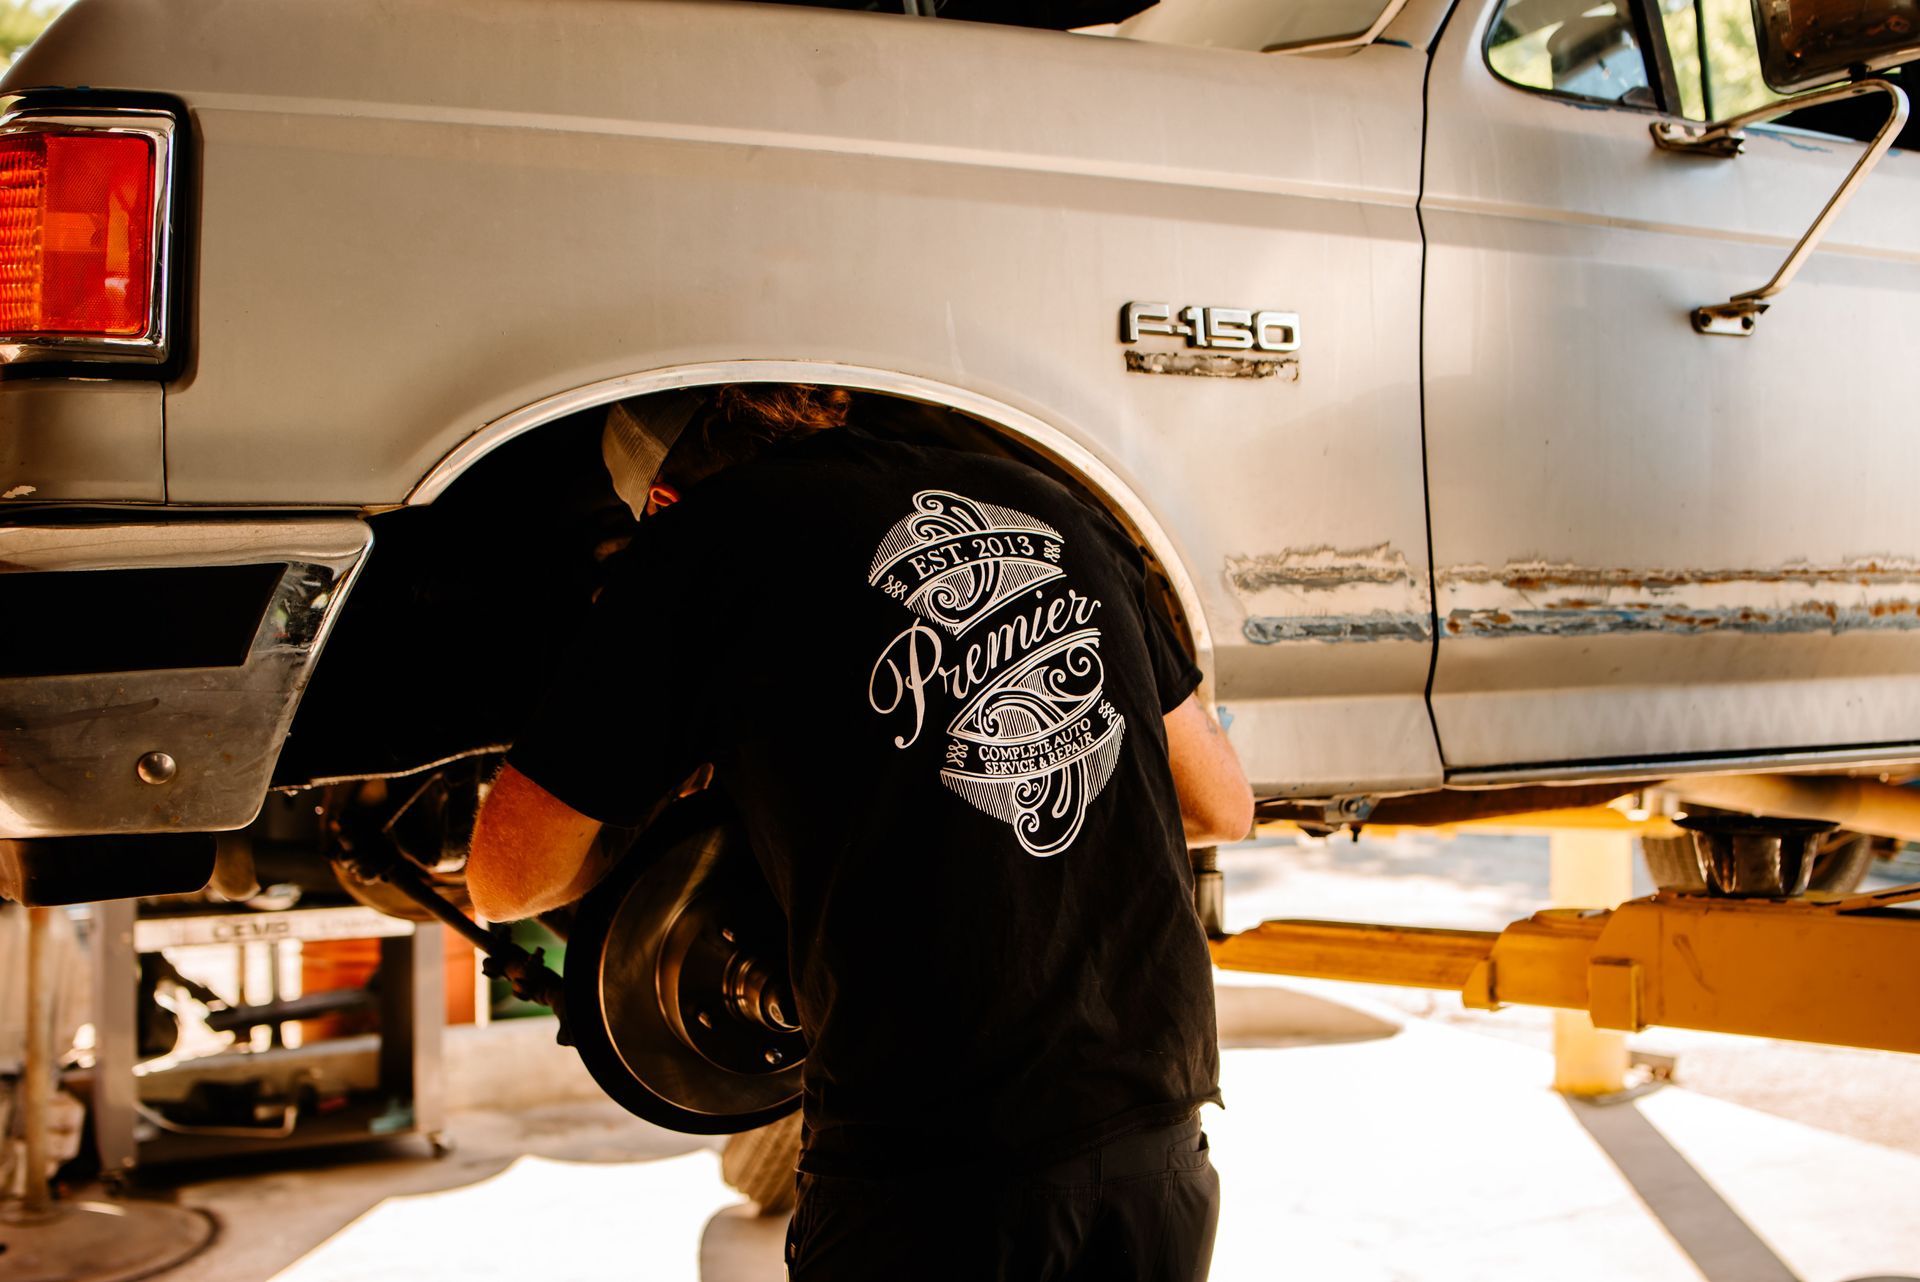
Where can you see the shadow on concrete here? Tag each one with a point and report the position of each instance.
(1723, 1246)
(740, 1245)
(1258, 1015)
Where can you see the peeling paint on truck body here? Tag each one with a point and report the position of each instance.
(1537, 599)
(1331, 595)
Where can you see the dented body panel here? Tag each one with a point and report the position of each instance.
(1651, 543)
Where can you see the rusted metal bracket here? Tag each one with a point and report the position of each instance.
(1818, 970)
(1724, 140)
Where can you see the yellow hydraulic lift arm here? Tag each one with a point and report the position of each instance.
(1820, 969)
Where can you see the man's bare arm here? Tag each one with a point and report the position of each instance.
(531, 851)
(1216, 805)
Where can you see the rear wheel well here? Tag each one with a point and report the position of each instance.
(467, 602)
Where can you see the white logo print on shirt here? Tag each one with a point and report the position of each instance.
(1034, 741)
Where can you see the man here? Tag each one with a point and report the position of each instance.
(969, 758)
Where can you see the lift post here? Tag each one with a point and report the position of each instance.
(1828, 969)
(1590, 868)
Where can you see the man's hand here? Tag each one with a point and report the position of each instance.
(1215, 803)
(531, 851)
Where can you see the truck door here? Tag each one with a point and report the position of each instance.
(1649, 542)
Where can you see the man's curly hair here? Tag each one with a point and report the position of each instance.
(744, 419)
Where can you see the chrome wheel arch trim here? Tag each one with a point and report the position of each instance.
(1063, 449)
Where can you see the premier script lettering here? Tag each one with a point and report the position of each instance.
(1034, 740)
(911, 661)
(902, 670)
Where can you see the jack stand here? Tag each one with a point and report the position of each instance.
(43, 1240)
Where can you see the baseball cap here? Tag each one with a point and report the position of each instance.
(639, 434)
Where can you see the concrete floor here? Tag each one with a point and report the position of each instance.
(1412, 1151)
(1369, 1134)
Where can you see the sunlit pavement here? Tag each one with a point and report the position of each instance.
(1441, 1154)
(1425, 1153)
(1361, 1142)
(554, 1220)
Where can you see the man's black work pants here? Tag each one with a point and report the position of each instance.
(1139, 1209)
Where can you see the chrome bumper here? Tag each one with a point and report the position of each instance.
(175, 749)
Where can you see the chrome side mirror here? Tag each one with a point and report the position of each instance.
(1802, 43)
(1813, 42)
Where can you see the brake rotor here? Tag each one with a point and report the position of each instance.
(676, 980)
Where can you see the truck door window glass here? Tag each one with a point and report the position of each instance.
(1726, 80)
(1264, 26)
(1581, 48)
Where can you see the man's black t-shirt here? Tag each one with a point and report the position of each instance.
(933, 688)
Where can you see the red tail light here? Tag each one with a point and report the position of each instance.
(83, 232)
(76, 233)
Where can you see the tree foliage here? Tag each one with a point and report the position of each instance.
(22, 21)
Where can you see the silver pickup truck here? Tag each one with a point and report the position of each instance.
(1439, 353)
